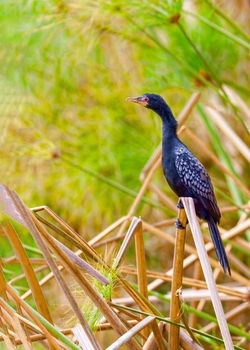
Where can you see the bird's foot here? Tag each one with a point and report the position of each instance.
(180, 205)
(179, 225)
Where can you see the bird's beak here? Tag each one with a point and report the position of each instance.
(142, 100)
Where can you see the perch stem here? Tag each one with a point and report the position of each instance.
(175, 312)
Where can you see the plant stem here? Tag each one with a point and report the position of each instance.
(175, 312)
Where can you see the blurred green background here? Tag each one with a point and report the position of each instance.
(68, 138)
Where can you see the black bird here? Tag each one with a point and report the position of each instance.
(184, 173)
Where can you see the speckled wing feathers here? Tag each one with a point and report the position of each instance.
(195, 178)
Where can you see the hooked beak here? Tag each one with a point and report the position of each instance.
(142, 100)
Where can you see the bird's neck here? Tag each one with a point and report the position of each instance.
(169, 123)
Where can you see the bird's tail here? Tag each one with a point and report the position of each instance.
(218, 245)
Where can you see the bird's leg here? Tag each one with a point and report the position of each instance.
(178, 223)
(179, 204)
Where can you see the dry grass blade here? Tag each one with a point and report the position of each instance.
(29, 272)
(7, 342)
(187, 343)
(141, 266)
(238, 229)
(188, 108)
(228, 131)
(82, 264)
(108, 230)
(207, 271)
(97, 299)
(14, 207)
(131, 231)
(230, 314)
(237, 100)
(162, 197)
(69, 232)
(237, 292)
(82, 338)
(53, 343)
(161, 344)
(146, 306)
(151, 343)
(21, 333)
(133, 331)
(175, 311)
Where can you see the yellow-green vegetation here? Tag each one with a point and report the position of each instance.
(70, 142)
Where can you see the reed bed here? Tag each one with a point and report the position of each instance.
(127, 298)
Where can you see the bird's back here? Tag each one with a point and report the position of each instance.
(188, 178)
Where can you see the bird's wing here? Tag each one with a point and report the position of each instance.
(194, 176)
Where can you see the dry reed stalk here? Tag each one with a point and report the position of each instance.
(131, 332)
(188, 343)
(108, 230)
(152, 160)
(67, 231)
(202, 302)
(7, 342)
(52, 341)
(202, 295)
(238, 229)
(29, 272)
(150, 343)
(229, 132)
(237, 100)
(81, 263)
(204, 149)
(239, 265)
(96, 298)
(80, 336)
(64, 285)
(176, 285)
(125, 243)
(14, 261)
(107, 326)
(3, 294)
(234, 208)
(38, 337)
(162, 197)
(164, 223)
(165, 235)
(142, 190)
(20, 332)
(145, 306)
(161, 345)
(207, 271)
(229, 315)
(242, 243)
(141, 267)
(14, 207)
(238, 292)
(136, 202)
(197, 275)
(108, 241)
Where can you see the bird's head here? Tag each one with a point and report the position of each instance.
(151, 101)
(158, 105)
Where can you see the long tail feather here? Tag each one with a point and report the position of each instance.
(218, 245)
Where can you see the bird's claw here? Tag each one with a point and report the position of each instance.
(179, 225)
(180, 205)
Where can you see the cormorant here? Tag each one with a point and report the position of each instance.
(184, 173)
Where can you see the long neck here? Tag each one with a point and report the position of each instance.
(169, 124)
